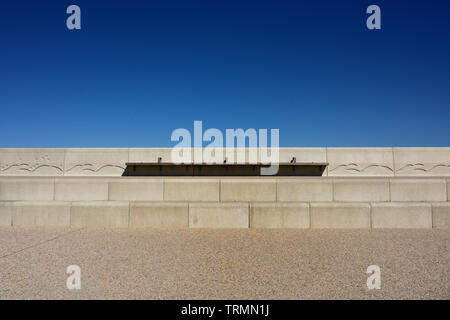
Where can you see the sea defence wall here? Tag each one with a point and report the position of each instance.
(360, 188)
(342, 161)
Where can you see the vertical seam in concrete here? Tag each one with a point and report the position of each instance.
(332, 189)
(64, 162)
(276, 189)
(446, 188)
(393, 160)
(389, 184)
(248, 215)
(189, 214)
(129, 212)
(309, 214)
(220, 190)
(164, 189)
(370, 215)
(432, 218)
(70, 213)
(54, 188)
(326, 159)
(11, 217)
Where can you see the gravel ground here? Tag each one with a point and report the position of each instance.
(223, 264)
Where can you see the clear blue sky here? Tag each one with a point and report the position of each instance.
(137, 70)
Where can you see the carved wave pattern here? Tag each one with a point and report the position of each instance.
(422, 168)
(91, 168)
(39, 164)
(356, 168)
(28, 167)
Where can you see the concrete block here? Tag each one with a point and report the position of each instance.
(95, 162)
(26, 189)
(448, 190)
(253, 155)
(5, 215)
(441, 215)
(307, 189)
(241, 155)
(159, 215)
(136, 189)
(139, 155)
(416, 190)
(191, 190)
(232, 155)
(279, 215)
(39, 214)
(340, 215)
(32, 162)
(422, 161)
(360, 162)
(218, 215)
(355, 190)
(248, 190)
(401, 215)
(318, 155)
(99, 214)
(210, 155)
(151, 155)
(81, 189)
(238, 155)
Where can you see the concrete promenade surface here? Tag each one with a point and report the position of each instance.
(224, 263)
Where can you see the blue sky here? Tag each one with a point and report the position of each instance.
(137, 70)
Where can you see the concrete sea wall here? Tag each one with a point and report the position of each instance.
(342, 161)
(361, 188)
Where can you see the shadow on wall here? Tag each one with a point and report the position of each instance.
(211, 170)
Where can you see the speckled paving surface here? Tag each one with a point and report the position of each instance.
(224, 264)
